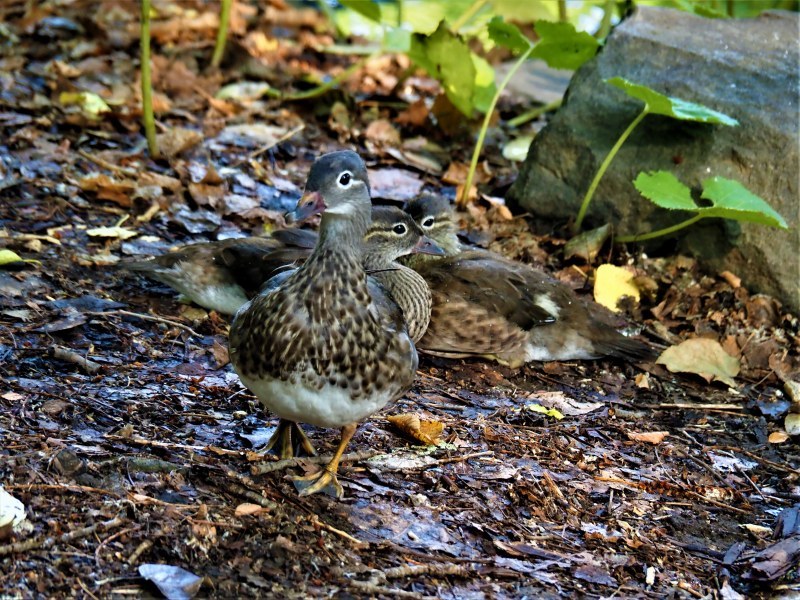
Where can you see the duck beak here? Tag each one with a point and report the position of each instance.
(310, 204)
(426, 245)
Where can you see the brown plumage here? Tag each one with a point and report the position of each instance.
(487, 305)
(325, 344)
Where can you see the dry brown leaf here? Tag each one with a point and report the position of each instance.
(702, 356)
(383, 133)
(247, 508)
(651, 437)
(778, 437)
(415, 115)
(427, 432)
(177, 140)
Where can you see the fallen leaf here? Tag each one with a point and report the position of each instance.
(122, 233)
(246, 509)
(427, 432)
(538, 408)
(12, 513)
(587, 244)
(395, 184)
(758, 530)
(178, 140)
(9, 257)
(702, 356)
(517, 149)
(91, 105)
(613, 283)
(792, 424)
(382, 133)
(651, 437)
(642, 380)
(564, 404)
(174, 582)
(778, 437)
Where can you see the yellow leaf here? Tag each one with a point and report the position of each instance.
(550, 412)
(778, 437)
(91, 104)
(611, 284)
(427, 432)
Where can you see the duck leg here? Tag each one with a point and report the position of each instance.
(286, 437)
(325, 480)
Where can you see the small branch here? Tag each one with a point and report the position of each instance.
(155, 318)
(436, 570)
(534, 113)
(107, 165)
(254, 497)
(642, 237)
(140, 549)
(49, 542)
(464, 18)
(271, 467)
(343, 534)
(68, 355)
(288, 135)
(222, 32)
(375, 590)
(604, 167)
(147, 81)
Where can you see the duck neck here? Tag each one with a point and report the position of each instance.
(343, 234)
(411, 293)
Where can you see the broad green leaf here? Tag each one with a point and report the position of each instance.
(562, 47)
(485, 87)
(663, 189)
(368, 8)
(442, 55)
(676, 108)
(396, 39)
(731, 200)
(508, 35)
(525, 11)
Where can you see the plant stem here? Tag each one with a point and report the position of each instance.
(473, 165)
(604, 167)
(534, 113)
(147, 82)
(468, 14)
(605, 23)
(222, 32)
(562, 10)
(321, 89)
(623, 239)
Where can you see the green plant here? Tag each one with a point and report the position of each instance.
(657, 104)
(728, 199)
(147, 84)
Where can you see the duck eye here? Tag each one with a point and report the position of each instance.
(428, 222)
(345, 179)
(399, 229)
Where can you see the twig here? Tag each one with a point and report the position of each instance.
(140, 549)
(26, 487)
(455, 459)
(256, 153)
(107, 165)
(85, 589)
(68, 355)
(111, 538)
(755, 457)
(254, 497)
(375, 590)
(691, 406)
(172, 446)
(155, 318)
(436, 570)
(271, 467)
(49, 542)
(343, 534)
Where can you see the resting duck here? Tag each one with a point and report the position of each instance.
(489, 306)
(325, 344)
(223, 275)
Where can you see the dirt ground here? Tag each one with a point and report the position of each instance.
(132, 444)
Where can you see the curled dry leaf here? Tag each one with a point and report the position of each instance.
(178, 140)
(246, 508)
(702, 356)
(650, 437)
(427, 432)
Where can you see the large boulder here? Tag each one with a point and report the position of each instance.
(746, 68)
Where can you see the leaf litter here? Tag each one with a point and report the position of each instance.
(128, 441)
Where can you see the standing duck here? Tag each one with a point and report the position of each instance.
(325, 344)
(487, 305)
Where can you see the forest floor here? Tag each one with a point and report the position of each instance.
(130, 441)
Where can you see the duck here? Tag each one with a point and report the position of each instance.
(489, 306)
(223, 275)
(325, 344)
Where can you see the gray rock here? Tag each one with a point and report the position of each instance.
(746, 68)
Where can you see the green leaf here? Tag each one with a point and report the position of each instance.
(367, 8)
(663, 189)
(731, 200)
(562, 47)
(9, 257)
(396, 39)
(525, 11)
(508, 35)
(442, 55)
(676, 108)
(485, 86)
